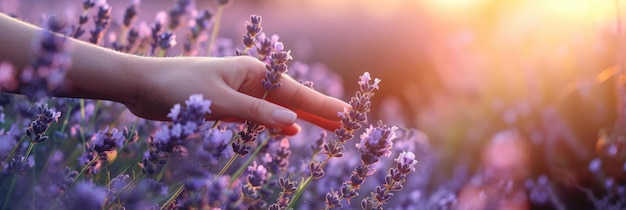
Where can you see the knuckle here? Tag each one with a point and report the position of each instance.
(255, 108)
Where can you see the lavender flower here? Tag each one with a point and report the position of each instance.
(247, 135)
(352, 120)
(85, 195)
(176, 13)
(185, 122)
(278, 160)
(78, 30)
(166, 40)
(116, 186)
(133, 36)
(200, 24)
(375, 143)
(106, 141)
(287, 189)
(277, 66)
(214, 143)
(393, 181)
(319, 143)
(316, 169)
(101, 21)
(89, 162)
(131, 13)
(193, 197)
(20, 165)
(333, 200)
(538, 191)
(355, 116)
(257, 176)
(157, 29)
(253, 27)
(265, 45)
(139, 197)
(6, 144)
(37, 129)
(128, 36)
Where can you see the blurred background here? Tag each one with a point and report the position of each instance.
(461, 71)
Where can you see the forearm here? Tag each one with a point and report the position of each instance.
(95, 72)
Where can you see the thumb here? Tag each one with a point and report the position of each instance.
(259, 111)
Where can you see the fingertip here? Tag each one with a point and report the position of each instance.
(291, 130)
(319, 121)
(339, 106)
(284, 117)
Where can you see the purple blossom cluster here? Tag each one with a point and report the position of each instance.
(394, 181)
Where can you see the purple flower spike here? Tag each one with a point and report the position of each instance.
(248, 134)
(167, 40)
(88, 4)
(131, 13)
(394, 181)
(102, 21)
(37, 129)
(364, 82)
(357, 115)
(176, 13)
(253, 28)
(107, 140)
(376, 142)
(276, 68)
(406, 162)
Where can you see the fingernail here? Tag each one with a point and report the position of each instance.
(284, 116)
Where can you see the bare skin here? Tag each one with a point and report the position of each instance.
(150, 86)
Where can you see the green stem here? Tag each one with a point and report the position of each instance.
(245, 50)
(171, 199)
(304, 184)
(82, 119)
(228, 164)
(216, 29)
(8, 158)
(30, 148)
(67, 119)
(160, 53)
(82, 171)
(162, 172)
(122, 37)
(265, 95)
(132, 183)
(299, 192)
(9, 193)
(247, 163)
(215, 124)
(92, 118)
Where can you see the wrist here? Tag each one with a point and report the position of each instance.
(100, 73)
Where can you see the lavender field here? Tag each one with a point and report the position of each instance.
(466, 104)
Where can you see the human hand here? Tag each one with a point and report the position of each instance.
(234, 86)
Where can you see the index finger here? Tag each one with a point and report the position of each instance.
(296, 96)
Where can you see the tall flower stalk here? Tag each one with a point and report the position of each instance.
(216, 26)
(78, 30)
(352, 118)
(102, 21)
(394, 181)
(276, 67)
(375, 143)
